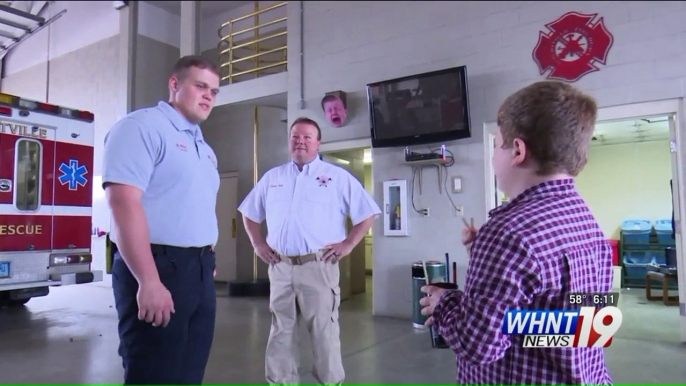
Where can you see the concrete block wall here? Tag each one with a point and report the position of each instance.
(349, 44)
(157, 49)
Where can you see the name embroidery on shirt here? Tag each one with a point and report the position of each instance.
(276, 185)
(323, 181)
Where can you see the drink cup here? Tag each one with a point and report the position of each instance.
(437, 340)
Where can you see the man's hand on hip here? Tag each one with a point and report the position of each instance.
(335, 252)
(267, 254)
(155, 304)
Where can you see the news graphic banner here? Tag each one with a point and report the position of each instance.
(592, 321)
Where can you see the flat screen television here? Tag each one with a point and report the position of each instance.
(420, 109)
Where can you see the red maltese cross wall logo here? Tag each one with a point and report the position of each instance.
(572, 46)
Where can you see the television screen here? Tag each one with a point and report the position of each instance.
(419, 109)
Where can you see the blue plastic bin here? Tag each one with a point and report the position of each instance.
(639, 258)
(636, 231)
(636, 263)
(663, 229)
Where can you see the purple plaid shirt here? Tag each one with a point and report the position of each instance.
(531, 254)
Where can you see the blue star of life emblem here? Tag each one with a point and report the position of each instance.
(73, 174)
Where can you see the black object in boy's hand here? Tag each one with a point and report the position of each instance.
(437, 340)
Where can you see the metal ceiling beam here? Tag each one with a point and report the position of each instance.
(8, 35)
(15, 25)
(4, 50)
(25, 15)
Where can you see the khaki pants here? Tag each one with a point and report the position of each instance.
(315, 287)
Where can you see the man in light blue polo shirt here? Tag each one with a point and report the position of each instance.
(161, 181)
(306, 203)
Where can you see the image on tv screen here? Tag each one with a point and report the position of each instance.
(423, 105)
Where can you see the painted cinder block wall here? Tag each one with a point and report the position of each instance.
(349, 44)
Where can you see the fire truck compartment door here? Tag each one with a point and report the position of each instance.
(72, 226)
(27, 154)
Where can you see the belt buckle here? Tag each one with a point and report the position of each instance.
(296, 260)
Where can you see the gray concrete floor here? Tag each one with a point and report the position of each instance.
(70, 337)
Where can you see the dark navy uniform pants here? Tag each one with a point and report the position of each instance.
(178, 353)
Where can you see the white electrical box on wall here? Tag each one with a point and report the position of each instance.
(395, 209)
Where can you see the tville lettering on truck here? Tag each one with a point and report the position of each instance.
(21, 229)
(23, 130)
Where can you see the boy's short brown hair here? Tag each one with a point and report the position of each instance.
(555, 120)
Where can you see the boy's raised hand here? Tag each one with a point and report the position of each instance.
(468, 233)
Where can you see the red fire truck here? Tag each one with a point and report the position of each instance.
(46, 192)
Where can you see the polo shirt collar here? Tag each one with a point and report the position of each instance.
(179, 121)
(309, 167)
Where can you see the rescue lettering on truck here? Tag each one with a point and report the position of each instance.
(21, 229)
(46, 193)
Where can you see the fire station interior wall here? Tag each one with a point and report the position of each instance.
(154, 63)
(83, 24)
(157, 49)
(229, 131)
(349, 44)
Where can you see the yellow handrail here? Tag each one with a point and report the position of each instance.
(257, 54)
(259, 11)
(254, 28)
(237, 52)
(256, 41)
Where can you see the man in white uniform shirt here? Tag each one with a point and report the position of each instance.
(306, 203)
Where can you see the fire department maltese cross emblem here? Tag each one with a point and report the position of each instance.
(572, 47)
(323, 181)
(73, 174)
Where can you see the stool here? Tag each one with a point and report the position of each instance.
(664, 277)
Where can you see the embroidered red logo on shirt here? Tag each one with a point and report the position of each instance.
(323, 181)
(181, 146)
(572, 47)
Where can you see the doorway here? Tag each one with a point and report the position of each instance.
(358, 162)
(637, 151)
(227, 208)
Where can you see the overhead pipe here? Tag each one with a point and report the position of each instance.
(47, 62)
(302, 55)
(255, 172)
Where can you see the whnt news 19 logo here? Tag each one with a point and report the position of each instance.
(582, 327)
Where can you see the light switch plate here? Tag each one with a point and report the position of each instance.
(457, 184)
